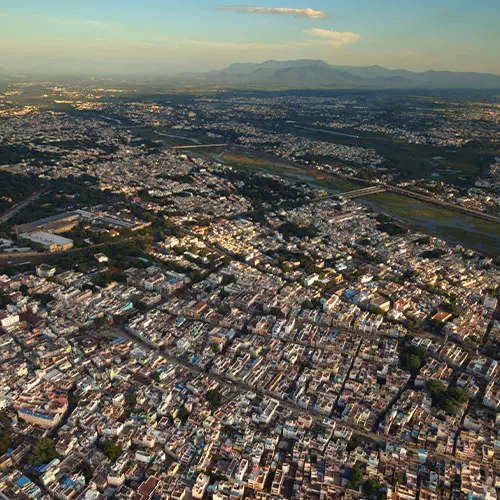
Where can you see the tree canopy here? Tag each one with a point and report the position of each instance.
(43, 452)
(112, 450)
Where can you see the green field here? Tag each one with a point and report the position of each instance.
(458, 228)
(242, 159)
(268, 163)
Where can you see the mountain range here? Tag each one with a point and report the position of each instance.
(307, 73)
(299, 74)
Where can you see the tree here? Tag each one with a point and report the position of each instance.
(131, 399)
(291, 229)
(183, 414)
(436, 389)
(307, 304)
(213, 396)
(276, 312)
(4, 444)
(371, 486)
(228, 279)
(414, 363)
(411, 358)
(5, 420)
(43, 452)
(449, 400)
(87, 472)
(352, 444)
(355, 477)
(112, 450)
(4, 300)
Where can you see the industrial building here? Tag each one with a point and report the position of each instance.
(50, 242)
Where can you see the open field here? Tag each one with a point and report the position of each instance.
(457, 228)
(452, 226)
(268, 163)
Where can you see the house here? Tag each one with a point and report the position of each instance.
(101, 258)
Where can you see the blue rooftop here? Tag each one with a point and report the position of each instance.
(22, 481)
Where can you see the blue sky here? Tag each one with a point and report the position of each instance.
(204, 34)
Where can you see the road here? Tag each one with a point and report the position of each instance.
(23, 204)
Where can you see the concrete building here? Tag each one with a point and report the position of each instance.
(45, 271)
(51, 242)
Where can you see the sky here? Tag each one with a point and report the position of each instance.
(169, 36)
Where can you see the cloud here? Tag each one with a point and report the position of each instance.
(335, 38)
(4, 14)
(309, 13)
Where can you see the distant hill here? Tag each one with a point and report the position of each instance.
(307, 73)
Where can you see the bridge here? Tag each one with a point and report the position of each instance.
(417, 196)
(358, 193)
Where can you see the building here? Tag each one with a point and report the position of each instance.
(7, 319)
(56, 224)
(45, 271)
(101, 258)
(50, 242)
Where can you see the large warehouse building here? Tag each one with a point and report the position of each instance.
(51, 242)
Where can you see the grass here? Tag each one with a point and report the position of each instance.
(457, 228)
(254, 161)
(241, 159)
(210, 153)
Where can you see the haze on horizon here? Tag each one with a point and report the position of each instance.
(165, 36)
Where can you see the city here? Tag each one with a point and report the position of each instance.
(276, 280)
(174, 324)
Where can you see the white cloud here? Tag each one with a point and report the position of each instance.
(309, 13)
(4, 14)
(335, 38)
